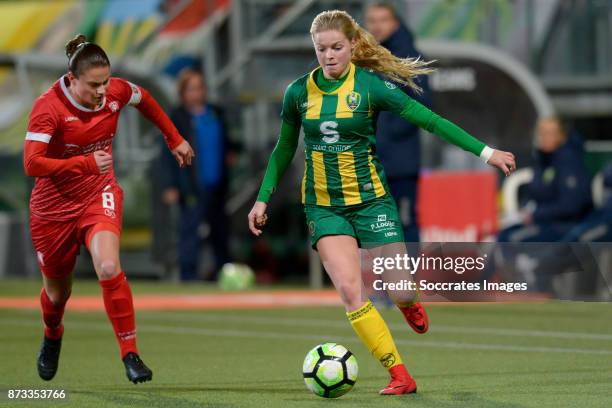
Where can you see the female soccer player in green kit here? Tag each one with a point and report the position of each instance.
(344, 189)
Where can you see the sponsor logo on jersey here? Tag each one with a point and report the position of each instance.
(331, 148)
(329, 134)
(382, 224)
(390, 85)
(70, 118)
(110, 213)
(353, 100)
(74, 149)
(114, 106)
(311, 227)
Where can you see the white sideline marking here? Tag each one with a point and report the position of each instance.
(317, 337)
(283, 321)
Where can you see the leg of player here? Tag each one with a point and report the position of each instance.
(104, 249)
(406, 300)
(340, 257)
(53, 298)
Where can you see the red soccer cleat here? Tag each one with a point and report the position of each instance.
(401, 382)
(416, 317)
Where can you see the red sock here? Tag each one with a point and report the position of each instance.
(52, 316)
(120, 310)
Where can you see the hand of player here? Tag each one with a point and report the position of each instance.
(104, 161)
(258, 217)
(183, 154)
(504, 161)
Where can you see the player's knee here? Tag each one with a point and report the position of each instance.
(58, 297)
(108, 270)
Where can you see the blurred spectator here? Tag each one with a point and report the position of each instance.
(560, 192)
(199, 190)
(597, 226)
(574, 252)
(398, 141)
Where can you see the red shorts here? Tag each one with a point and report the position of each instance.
(57, 243)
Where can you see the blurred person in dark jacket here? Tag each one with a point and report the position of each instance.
(597, 226)
(575, 251)
(559, 198)
(201, 190)
(398, 141)
(560, 191)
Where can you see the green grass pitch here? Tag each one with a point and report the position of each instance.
(556, 354)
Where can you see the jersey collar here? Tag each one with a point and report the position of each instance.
(347, 86)
(73, 101)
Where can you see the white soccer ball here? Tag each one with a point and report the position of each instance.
(330, 370)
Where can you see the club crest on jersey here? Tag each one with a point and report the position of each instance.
(114, 106)
(353, 100)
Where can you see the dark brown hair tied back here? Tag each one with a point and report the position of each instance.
(83, 55)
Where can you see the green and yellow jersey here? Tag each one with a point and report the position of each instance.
(339, 121)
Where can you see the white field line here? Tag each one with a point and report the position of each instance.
(283, 321)
(280, 336)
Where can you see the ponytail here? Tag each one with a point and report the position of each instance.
(83, 55)
(368, 53)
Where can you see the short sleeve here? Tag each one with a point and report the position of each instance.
(387, 96)
(290, 113)
(43, 122)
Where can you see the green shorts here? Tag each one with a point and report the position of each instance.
(373, 224)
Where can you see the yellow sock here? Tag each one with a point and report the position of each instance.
(374, 333)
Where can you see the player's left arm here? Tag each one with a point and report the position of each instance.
(140, 98)
(386, 96)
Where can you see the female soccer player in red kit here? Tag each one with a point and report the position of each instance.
(76, 198)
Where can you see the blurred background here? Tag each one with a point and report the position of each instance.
(501, 65)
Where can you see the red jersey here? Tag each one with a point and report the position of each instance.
(62, 136)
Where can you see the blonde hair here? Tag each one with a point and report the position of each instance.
(368, 53)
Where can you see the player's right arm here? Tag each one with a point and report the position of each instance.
(279, 161)
(36, 164)
(277, 166)
(41, 128)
